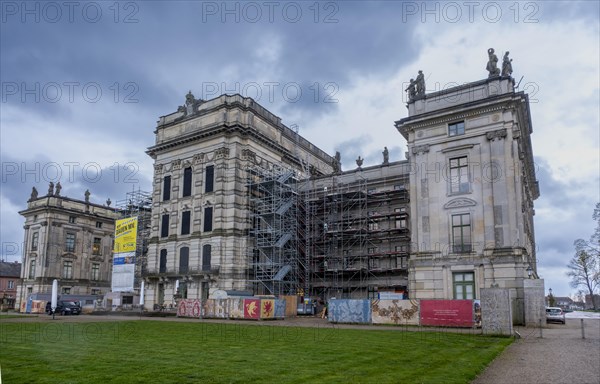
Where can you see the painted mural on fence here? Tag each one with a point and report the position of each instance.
(267, 308)
(349, 311)
(451, 313)
(188, 308)
(216, 309)
(280, 309)
(399, 312)
(251, 308)
(236, 308)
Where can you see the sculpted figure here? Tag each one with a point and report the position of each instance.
(492, 64)
(412, 91)
(506, 65)
(386, 155)
(87, 195)
(51, 189)
(420, 81)
(34, 194)
(58, 188)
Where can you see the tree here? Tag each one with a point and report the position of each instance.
(592, 246)
(584, 272)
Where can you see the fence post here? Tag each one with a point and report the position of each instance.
(582, 330)
(541, 336)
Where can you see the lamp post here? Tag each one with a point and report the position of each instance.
(551, 300)
(529, 271)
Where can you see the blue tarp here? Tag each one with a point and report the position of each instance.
(349, 311)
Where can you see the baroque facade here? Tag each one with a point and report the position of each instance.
(472, 188)
(69, 240)
(241, 202)
(201, 222)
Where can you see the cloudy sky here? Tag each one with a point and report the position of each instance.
(83, 84)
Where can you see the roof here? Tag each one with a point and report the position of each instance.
(10, 269)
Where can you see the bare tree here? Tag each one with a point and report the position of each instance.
(584, 272)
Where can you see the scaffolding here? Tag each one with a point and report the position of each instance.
(357, 238)
(138, 204)
(277, 235)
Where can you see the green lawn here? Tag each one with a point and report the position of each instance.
(189, 352)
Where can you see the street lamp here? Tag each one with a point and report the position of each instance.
(529, 271)
(550, 291)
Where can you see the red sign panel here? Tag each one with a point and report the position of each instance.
(251, 308)
(449, 313)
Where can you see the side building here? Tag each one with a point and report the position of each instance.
(10, 274)
(205, 156)
(472, 186)
(65, 239)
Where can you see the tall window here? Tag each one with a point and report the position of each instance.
(98, 224)
(11, 284)
(32, 269)
(206, 255)
(459, 175)
(464, 285)
(456, 129)
(163, 261)
(184, 259)
(70, 242)
(97, 246)
(209, 184)
(95, 271)
(185, 222)
(67, 269)
(164, 227)
(167, 188)
(187, 182)
(34, 241)
(72, 219)
(461, 233)
(208, 216)
(400, 222)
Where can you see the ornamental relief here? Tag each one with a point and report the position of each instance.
(459, 203)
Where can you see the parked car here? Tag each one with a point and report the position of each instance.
(555, 314)
(64, 308)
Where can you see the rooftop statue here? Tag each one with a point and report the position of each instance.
(337, 163)
(359, 161)
(420, 81)
(492, 64)
(412, 90)
(34, 194)
(506, 65)
(58, 188)
(51, 189)
(386, 156)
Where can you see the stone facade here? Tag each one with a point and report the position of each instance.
(472, 187)
(200, 216)
(69, 240)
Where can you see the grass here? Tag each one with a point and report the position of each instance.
(189, 352)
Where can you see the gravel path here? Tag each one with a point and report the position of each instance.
(561, 356)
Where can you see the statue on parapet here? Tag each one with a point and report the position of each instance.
(492, 64)
(188, 107)
(412, 90)
(506, 65)
(87, 195)
(337, 163)
(51, 189)
(386, 156)
(58, 188)
(359, 161)
(420, 82)
(34, 194)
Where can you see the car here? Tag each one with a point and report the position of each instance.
(555, 314)
(64, 308)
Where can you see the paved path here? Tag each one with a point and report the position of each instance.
(561, 356)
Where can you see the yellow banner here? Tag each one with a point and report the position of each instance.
(126, 235)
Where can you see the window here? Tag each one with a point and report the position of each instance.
(163, 261)
(95, 271)
(208, 214)
(98, 224)
(70, 242)
(373, 226)
(456, 129)
(206, 250)
(461, 233)
(459, 176)
(209, 184)
(29, 290)
(34, 241)
(97, 246)
(11, 284)
(127, 300)
(96, 291)
(68, 269)
(371, 250)
(184, 259)
(167, 188)
(185, 222)
(32, 269)
(187, 182)
(72, 219)
(399, 222)
(164, 228)
(66, 290)
(464, 285)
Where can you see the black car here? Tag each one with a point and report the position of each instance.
(64, 308)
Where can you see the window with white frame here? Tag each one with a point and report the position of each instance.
(456, 129)
(464, 285)
(459, 175)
